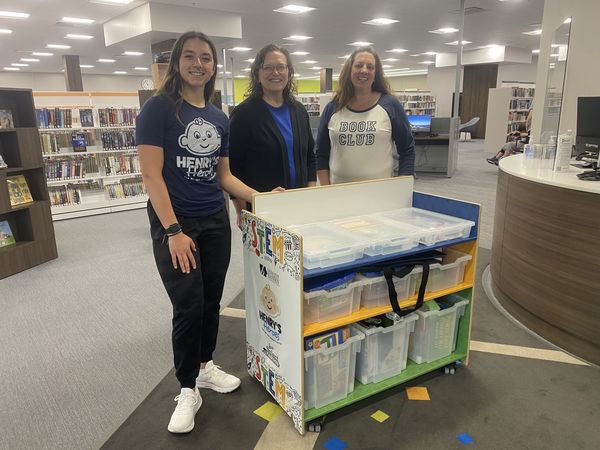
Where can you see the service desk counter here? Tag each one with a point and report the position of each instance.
(545, 266)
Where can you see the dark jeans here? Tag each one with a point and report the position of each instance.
(195, 296)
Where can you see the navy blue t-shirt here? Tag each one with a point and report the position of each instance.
(282, 118)
(191, 152)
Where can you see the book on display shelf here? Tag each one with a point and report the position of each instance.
(6, 119)
(6, 235)
(18, 190)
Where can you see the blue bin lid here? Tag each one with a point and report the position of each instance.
(328, 282)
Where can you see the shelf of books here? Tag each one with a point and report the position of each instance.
(26, 230)
(508, 107)
(417, 103)
(89, 151)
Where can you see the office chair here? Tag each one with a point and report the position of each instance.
(467, 128)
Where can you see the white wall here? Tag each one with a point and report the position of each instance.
(583, 63)
(409, 82)
(56, 81)
(517, 72)
(440, 81)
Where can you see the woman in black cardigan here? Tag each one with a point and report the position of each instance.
(270, 141)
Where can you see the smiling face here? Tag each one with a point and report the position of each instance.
(200, 138)
(363, 71)
(273, 75)
(196, 64)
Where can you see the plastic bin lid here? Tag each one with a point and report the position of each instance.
(324, 239)
(425, 219)
(375, 229)
(328, 282)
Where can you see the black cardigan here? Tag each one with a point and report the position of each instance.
(257, 151)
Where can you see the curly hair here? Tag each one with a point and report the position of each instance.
(345, 89)
(255, 89)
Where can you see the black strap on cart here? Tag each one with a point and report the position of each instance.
(400, 268)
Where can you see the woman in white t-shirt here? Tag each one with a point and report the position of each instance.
(363, 133)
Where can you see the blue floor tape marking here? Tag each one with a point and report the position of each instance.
(335, 444)
(465, 438)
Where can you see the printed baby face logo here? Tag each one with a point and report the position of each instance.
(269, 301)
(200, 138)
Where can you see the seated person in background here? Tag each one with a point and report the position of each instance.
(515, 145)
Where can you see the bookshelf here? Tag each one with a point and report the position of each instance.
(417, 102)
(30, 222)
(89, 152)
(508, 107)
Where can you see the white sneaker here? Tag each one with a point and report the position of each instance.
(188, 404)
(212, 377)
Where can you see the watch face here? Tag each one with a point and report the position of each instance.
(147, 84)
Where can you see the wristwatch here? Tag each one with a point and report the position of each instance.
(174, 229)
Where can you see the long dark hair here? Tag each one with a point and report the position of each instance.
(171, 84)
(255, 88)
(345, 89)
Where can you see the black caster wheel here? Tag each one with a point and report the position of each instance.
(450, 370)
(316, 425)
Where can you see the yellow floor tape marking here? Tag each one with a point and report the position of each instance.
(526, 352)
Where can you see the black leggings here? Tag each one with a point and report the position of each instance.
(195, 296)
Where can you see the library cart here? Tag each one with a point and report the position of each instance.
(275, 277)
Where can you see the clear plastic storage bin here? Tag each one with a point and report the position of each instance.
(382, 236)
(375, 289)
(329, 372)
(435, 227)
(325, 245)
(324, 305)
(435, 332)
(449, 273)
(384, 350)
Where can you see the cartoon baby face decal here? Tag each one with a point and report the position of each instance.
(269, 301)
(200, 138)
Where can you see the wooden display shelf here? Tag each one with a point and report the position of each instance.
(366, 313)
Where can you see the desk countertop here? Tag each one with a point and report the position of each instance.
(537, 171)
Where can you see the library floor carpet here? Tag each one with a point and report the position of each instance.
(497, 402)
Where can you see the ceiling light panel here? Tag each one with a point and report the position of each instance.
(81, 37)
(396, 50)
(533, 33)
(133, 53)
(294, 9)
(240, 49)
(13, 15)
(13, 69)
(300, 53)
(298, 37)
(59, 46)
(30, 60)
(456, 43)
(77, 20)
(360, 43)
(20, 65)
(380, 21)
(106, 60)
(42, 54)
(120, 72)
(86, 66)
(5, 31)
(446, 30)
(140, 68)
(112, 2)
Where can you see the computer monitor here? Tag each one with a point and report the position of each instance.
(420, 123)
(588, 127)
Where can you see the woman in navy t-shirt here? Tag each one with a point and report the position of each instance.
(182, 141)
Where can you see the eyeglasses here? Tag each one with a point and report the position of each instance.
(274, 67)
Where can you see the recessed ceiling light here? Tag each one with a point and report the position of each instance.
(86, 66)
(133, 53)
(120, 72)
(219, 66)
(567, 20)
(42, 54)
(60, 46)
(250, 60)
(5, 31)
(316, 68)
(380, 21)
(240, 49)
(107, 60)
(247, 69)
(555, 45)
(83, 37)
(390, 59)
(76, 20)
(294, 9)
(300, 53)
(397, 50)
(427, 62)
(13, 15)
(30, 60)
(536, 51)
(430, 53)
(445, 30)
(20, 65)
(361, 43)
(345, 56)
(387, 66)
(12, 68)
(140, 68)
(456, 43)
(298, 37)
(416, 54)
(112, 2)
(533, 33)
(309, 61)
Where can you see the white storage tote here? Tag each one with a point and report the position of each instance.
(325, 245)
(329, 372)
(375, 289)
(435, 332)
(382, 236)
(325, 305)
(384, 350)
(435, 227)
